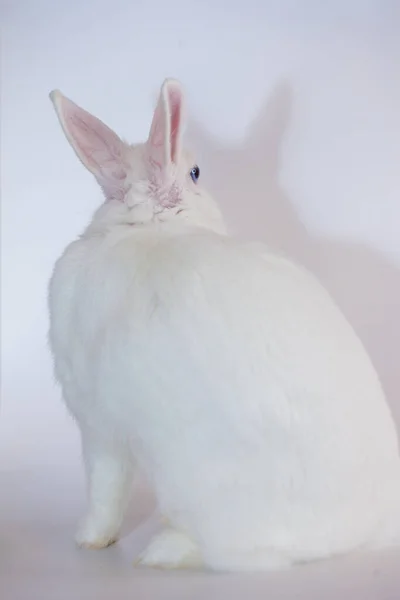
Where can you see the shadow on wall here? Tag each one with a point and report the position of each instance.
(245, 180)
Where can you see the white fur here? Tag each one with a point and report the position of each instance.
(171, 549)
(228, 374)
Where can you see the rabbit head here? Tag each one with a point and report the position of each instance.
(151, 183)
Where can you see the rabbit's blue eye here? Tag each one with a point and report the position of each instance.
(195, 173)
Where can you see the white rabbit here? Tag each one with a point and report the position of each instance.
(224, 372)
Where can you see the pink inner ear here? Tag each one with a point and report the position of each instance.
(157, 138)
(175, 101)
(166, 128)
(97, 146)
(100, 148)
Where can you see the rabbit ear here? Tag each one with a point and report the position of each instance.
(96, 145)
(164, 143)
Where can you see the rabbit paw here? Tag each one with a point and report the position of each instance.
(94, 535)
(170, 549)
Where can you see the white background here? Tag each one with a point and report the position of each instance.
(295, 115)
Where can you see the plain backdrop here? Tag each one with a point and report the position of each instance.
(295, 117)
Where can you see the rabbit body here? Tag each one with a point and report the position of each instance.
(229, 376)
(235, 383)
